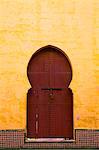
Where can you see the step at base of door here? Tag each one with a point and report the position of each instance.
(48, 140)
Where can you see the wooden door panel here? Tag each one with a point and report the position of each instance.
(37, 114)
(42, 78)
(61, 115)
(60, 79)
(43, 120)
(56, 121)
(43, 112)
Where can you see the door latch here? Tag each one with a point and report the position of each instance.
(51, 96)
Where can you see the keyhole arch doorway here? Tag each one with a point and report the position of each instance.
(50, 100)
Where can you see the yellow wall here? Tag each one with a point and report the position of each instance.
(27, 25)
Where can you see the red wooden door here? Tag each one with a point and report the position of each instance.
(49, 101)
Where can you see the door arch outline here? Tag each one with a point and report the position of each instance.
(58, 50)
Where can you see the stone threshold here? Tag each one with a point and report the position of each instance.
(52, 140)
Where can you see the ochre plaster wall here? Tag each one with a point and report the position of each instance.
(27, 25)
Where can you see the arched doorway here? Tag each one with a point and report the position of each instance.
(49, 101)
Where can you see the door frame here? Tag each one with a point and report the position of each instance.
(62, 52)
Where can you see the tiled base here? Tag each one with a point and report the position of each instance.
(84, 138)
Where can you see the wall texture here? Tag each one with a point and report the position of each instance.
(27, 25)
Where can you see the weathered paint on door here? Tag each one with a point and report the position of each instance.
(49, 101)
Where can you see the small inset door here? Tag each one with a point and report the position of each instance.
(49, 101)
